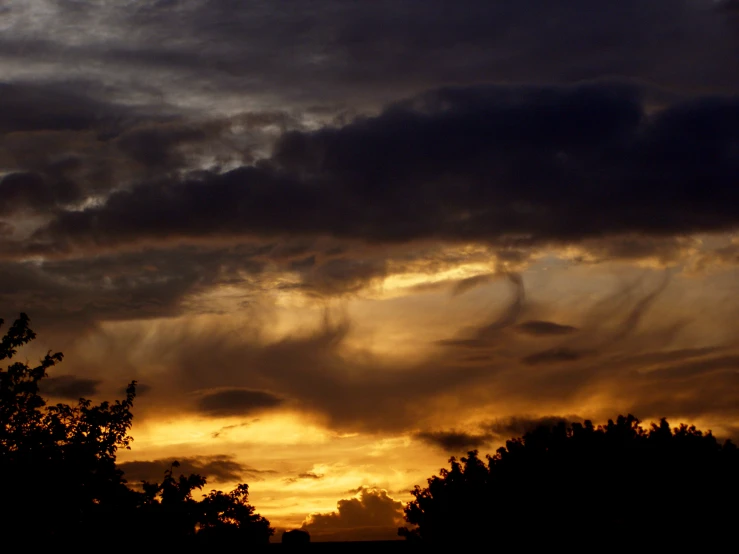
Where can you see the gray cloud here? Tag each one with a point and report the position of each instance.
(26, 191)
(334, 53)
(221, 468)
(29, 106)
(121, 285)
(237, 402)
(545, 328)
(69, 387)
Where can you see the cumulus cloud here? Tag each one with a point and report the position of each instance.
(371, 515)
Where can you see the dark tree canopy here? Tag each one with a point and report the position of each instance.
(59, 481)
(619, 483)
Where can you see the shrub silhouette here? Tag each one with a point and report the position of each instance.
(613, 484)
(60, 483)
(295, 537)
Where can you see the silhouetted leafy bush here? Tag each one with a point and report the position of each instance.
(614, 484)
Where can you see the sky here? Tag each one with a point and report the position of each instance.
(338, 242)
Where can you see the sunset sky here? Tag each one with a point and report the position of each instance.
(338, 241)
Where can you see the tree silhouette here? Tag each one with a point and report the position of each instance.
(295, 537)
(229, 518)
(613, 484)
(63, 455)
(168, 513)
(59, 481)
(171, 516)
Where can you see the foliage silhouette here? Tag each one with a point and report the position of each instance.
(295, 537)
(60, 483)
(584, 484)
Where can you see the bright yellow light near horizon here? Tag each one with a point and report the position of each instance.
(280, 428)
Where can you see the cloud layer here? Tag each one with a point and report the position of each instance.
(513, 166)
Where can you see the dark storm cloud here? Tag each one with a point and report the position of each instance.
(29, 191)
(54, 140)
(545, 328)
(330, 51)
(453, 441)
(58, 137)
(61, 145)
(728, 5)
(154, 147)
(214, 468)
(537, 165)
(69, 387)
(237, 402)
(29, 106)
